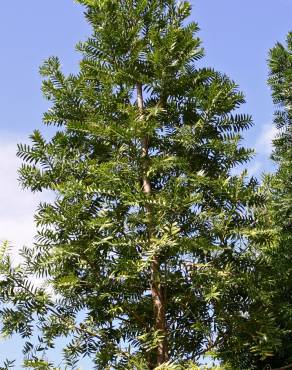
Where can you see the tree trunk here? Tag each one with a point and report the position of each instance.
(157, 290)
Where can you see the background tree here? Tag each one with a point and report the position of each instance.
(146, 243)
(280, 198)
(272, 267)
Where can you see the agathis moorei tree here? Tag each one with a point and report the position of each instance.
(279, 212)
(146, 242)
(272, 267)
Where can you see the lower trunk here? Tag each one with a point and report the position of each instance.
(159, 307)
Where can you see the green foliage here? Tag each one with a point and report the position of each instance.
(7, 365)
(279, 189)
(98, 239)
(272, 238)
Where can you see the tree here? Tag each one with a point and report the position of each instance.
(146, 243)
(279, 189)
(281, 83)
(272, 265)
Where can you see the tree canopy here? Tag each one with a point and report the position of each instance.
(279, 189)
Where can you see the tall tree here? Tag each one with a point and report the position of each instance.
(280, 80)
(145, 244)
(272, 267)
(280, 199)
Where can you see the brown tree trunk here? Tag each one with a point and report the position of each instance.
(157, 289)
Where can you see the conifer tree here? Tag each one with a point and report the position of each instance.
(281, 83)
(270, 294)
(146, 243)
(279, 212)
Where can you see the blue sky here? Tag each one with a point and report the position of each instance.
(236, 35)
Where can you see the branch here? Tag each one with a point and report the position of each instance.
(268, 367)
(79, 328)
(218, 341)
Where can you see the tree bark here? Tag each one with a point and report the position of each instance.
(157, 289)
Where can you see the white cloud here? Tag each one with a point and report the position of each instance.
(255, 168)
(17, 206)
(263, 145)
(264, 141)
